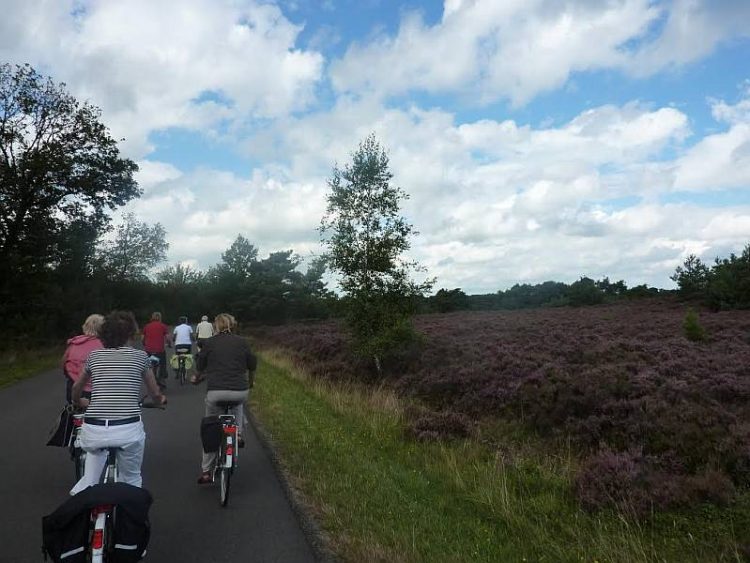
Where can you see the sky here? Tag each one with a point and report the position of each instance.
(537, 139)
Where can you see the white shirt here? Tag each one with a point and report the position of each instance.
(182, 334)
(204, 329)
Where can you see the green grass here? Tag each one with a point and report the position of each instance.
(16, 365)
(381, 497)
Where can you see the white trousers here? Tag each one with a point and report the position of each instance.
(95, 440)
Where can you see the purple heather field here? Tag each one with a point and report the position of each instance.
(660, 421)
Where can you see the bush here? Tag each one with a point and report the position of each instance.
(692, 328)
(439, 425)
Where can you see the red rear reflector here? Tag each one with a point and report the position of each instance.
(98, 540)
(230, 429)
(77, 422)
(230, 450)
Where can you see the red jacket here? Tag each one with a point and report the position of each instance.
(79, 348)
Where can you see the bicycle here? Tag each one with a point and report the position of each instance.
(182, 358)
(226, 461)
(101, 532)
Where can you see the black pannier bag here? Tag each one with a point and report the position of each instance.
(62, 431)
(211, 434)
(65, 532)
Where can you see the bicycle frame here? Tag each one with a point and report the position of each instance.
(103, 515)
(229, 453)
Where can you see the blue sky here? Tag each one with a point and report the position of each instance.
(537, 139)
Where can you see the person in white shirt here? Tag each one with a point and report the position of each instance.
(183, 337)
(204, 331)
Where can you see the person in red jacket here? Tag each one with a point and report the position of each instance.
(79, 348)
(155, 335)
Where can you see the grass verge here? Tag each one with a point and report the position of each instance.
(379, 496)
(16, 365)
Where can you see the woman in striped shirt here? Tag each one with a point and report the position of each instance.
(113, 416)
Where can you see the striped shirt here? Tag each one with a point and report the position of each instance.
(116, 377)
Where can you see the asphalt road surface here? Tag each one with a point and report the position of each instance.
(188, 524)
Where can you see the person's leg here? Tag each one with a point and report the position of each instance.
(239, 412)
(162, 369)
(209, 458)
(129, 461)
(95, 460)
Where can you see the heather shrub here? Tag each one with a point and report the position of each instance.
(612, 478)
(616, 378)
(692, 328)
(432, 425)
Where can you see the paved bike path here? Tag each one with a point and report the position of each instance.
(188, 525)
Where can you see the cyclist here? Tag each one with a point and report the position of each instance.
(155, 336)
(204, 331)
(113, 417)
(79, 347)
(228, 364)
(183, 337)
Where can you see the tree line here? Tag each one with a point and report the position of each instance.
(724, 285)
(61, 176)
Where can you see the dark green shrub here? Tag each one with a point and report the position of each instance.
(692, 328)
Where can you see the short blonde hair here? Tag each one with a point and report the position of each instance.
(224, 322)
(156, 316)
(92, 324)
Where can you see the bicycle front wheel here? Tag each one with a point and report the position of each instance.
(224, 479)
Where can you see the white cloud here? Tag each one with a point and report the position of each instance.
(515, 49)
(721, 160)
(146, 64)
(495, 202)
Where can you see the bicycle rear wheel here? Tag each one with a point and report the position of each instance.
(224, 480)
(183, 374)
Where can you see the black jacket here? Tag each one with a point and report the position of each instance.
(225, 361)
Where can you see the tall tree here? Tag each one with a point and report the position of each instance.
(58, 164)
(692, 277)
(239, 258)
(366, 238)
(179, 275)
(136, 249)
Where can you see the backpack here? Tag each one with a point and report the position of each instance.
(65, 532)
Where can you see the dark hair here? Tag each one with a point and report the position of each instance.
(117, 329)
(183, 320)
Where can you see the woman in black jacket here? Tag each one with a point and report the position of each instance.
(228, 365)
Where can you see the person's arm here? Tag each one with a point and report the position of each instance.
(78, 388)
(252, 363)
(201, 360)
(153, 387)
